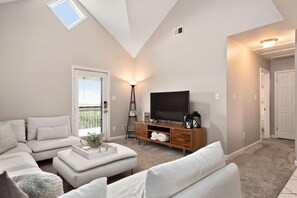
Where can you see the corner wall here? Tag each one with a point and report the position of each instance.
(197, 60)
(36, 55)
(243, 98)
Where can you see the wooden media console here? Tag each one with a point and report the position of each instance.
(179, 137)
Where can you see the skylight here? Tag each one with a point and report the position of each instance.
(67, 12)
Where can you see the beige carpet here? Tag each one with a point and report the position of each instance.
(264, 169)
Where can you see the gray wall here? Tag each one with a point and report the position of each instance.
(197, 61)
(243, 80)
(36, 54)
(277, 65)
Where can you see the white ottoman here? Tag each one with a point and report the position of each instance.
(78, 170)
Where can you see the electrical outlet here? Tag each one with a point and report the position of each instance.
(114, 128)
(243, 135)
(123, 126)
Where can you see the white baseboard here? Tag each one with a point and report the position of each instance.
(295, 163)
(117, 137)
(240, 151)
(273, 136)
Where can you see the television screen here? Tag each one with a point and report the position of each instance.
(172, 106)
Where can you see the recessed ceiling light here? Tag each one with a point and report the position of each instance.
(268, 42)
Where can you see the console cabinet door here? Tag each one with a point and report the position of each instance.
(181, 138)
(140, 130)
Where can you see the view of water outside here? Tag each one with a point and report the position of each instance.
(89, 106)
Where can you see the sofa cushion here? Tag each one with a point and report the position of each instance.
(21, 147)
(38, 146)
(133, 186)
(40, 184)
(48, 133)
(95, 189)
(165, 180)
(15, 163)
(35, 123)
(18, 127)
(7, 137)
(9, 189)
(223, 183)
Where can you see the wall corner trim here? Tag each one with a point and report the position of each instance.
(117, 137)
(240, 151)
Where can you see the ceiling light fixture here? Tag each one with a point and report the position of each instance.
(268, 42)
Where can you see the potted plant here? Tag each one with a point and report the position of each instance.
(94, 139)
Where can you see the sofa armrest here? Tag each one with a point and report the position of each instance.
(224, 183)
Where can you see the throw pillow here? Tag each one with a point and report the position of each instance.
(165, 180)
(40, 184)
(9, 189)
(18, 126)
(47, 133)
(35, 123)
(8, 139)
(95, 189)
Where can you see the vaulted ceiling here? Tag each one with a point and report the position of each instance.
(130, 22)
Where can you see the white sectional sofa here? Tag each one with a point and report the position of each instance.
(201, 174)
(18, 155)
(49, 135)
(46, 136)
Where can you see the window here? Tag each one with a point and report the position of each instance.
(67, 12)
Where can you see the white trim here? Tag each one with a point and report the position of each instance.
(267, 101)
(91, 69)
(275, 98)
(295, 162)
(117, 137)
(240, 151)
(273, 136)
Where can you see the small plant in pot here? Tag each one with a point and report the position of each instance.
(94, 139)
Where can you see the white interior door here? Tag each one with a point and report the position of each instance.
(90, 102)
(285, 104)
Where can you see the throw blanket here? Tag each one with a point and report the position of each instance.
(40, 185)
(163, 137)
(154, 135)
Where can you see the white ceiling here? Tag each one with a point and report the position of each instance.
(283, 31)
(130, 22)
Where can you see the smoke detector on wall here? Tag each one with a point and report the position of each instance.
(178, 31)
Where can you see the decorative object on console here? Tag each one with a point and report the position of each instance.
(196, 117)
(94, 140)
(132, 115)
(146, 117)
(188, 122)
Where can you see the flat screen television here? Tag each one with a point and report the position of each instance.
(171, 106)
